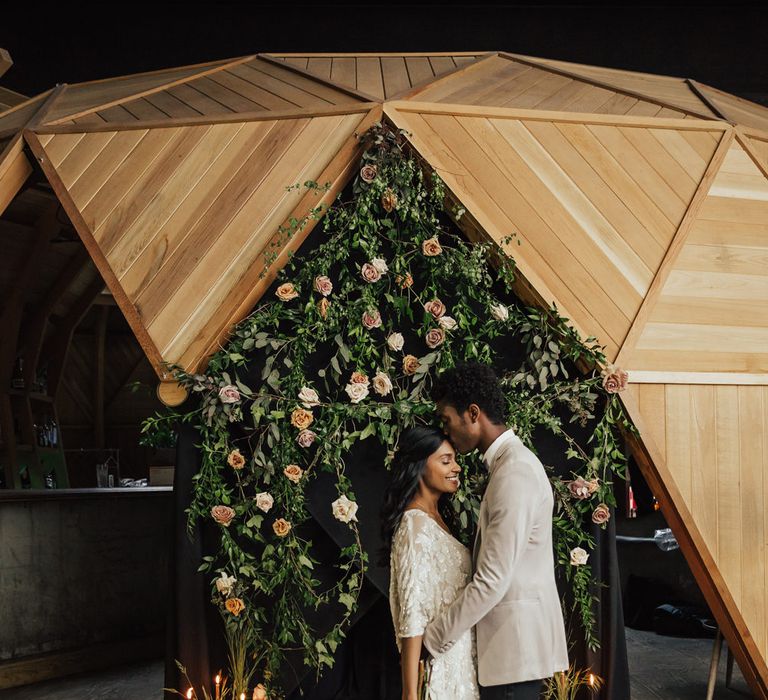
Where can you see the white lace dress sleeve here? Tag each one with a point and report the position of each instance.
(429, 568)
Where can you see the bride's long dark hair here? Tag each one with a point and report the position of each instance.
(414, 447)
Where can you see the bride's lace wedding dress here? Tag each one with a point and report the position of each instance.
(429, 568)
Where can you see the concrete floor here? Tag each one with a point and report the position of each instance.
(662, 668)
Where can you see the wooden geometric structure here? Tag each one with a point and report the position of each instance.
(639, 204)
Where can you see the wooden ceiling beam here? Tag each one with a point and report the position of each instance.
(5, 61)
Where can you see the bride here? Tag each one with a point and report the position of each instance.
(428, 566)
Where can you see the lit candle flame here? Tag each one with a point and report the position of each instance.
(242, 696)
(189, 694)
(591, 679)
(218, 679)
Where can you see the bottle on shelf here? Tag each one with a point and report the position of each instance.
(17, 381)
(50, 479)
(54, 433)
(631, 504)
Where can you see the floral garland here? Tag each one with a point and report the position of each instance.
(391, 298)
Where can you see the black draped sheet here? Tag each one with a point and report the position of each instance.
(366, 664)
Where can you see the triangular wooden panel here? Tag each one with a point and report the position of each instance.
(10, 98)
(378, 75)
(736, 109)
(758, 149)
(712, 312)
(674, 92)
(606, 198)
(80, 98)
(179, 220)
(252, 86)
(501, 81)
(16, 118)
(712, 446)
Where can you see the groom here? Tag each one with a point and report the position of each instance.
(512, 599)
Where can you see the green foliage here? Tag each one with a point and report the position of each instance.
(395, 214)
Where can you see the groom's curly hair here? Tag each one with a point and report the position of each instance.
(468, 383)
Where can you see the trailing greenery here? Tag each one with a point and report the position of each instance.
(389, 253)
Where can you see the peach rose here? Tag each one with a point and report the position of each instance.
(435, 337)
(447, 322)
(614, 379)
(344, 509)
(305, 438)
(369, 273)
(368, 173)
(405, 281)
(281, 527)
(381, 265)
(410, 364)
(236, 460)
(601, 514)
(229, 394)
(356, 392)
(301, 418)
(323, 285)
(308, 397)
(259, 693)
(593, 485)
(382, 384)
(223, 515)
(293, 472)
(435, 307)
(234, 606)
(371, 319)
(359, 378)
(395, 341)
(431, 247)
(579, 488)
(264, 501)
(388, 200)
(578, 556)
(322, 307)
(286, 292)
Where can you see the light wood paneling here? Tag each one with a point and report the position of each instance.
(15, 168)
(736, 109)
(589, 194)
(713, 442)
(712, 312)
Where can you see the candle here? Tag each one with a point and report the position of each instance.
(591, 679)
(218, 686)
(242, 696)
(189, 694)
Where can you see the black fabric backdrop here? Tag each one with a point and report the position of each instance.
(367, 665)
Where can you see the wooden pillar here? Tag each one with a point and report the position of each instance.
(98, 384)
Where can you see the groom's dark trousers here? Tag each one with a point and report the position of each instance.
(529, 690)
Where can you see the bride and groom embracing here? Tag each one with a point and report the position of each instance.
(490, 621)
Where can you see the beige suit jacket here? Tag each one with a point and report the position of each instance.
(512, 599)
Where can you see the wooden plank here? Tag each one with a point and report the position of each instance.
(638, 376)
(740, 260)
(694, 337)
(730, 234)
(748, 512)
(288, 91)
(653, 405)
(716, 285)
(344, 71)
(441, 64)
(716, 360)
(116, 114)
(726, 209)
(253, 92)
(675, 247)
(704, 492)
(320, 66)
(171, 105)
(395, 76)
(705, 310)
(144, 110)
(15, 168)
(369, 76)
(476, 68)
(285, 79)
(419, 69)
(201, 103)
(76, 163)
(478, 85)
(232, 100)
(545, 89)
(727, 494)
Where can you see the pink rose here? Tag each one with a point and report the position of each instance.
(435, 337)
(601, 514)
(369, 273)
(579, 488)
(229, 394)
(371, 319)
(435, 307)
(614, 379)
(222, 515)
(323, 285)
(368, 173)
(305, 438)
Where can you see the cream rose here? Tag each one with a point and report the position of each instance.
(381, 265)
(356, 392)
(234, 606)
(578, 556)
(344, 509)
(368, 173)
(229, 394)
(614, 379)
(225, 584)
(410, 364)
(435, 337)
(308, 397)
(222, 515)
(264, 501)
(301, 418)
(369, 273)
(305, 438)
(293, 472)
(500, 312)
(447, 322)
(382, 384)
(236, 460)
(323, 285)
(281, 527)
(601, 514)
(431, 247)
(286, 292)
(371, 319)
(396, 341)
(435, 307)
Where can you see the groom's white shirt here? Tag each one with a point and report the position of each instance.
(512, 599)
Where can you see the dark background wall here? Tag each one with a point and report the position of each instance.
(722, 45)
